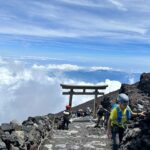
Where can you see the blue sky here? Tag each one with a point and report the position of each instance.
(112, 33)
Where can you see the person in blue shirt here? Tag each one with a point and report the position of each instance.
(114, 103)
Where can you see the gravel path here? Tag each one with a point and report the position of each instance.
(81, 136)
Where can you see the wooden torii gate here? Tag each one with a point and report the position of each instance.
(84, 91)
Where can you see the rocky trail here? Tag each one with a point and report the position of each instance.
(81, 136)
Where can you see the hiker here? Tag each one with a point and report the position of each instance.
(114, 103)
(106, 117)
(118, 118)
(88, 111)
(101, 115)
(80, 113)
(66, 117)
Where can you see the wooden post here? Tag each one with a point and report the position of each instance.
(84, 92)
(70, 98)
(94, 108)
(95, 104)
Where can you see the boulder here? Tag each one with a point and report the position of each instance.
(138, 136)
(2, 145)
(7, 127)
(144, 83)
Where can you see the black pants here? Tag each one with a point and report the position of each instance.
(117, 136)
(99, 120)
(65, 123)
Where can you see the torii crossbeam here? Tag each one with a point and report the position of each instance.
(84, 91)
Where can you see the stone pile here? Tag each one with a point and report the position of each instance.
(25, 136)
(144, 84)
(137, 136)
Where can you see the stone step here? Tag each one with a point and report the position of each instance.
(80, 136)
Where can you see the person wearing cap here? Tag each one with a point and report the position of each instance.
(115, 102)
(101, 116)
(118, 118)
(66, 117)
(88, 111)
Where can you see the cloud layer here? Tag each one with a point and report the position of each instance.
(76, 19)
(28, 89)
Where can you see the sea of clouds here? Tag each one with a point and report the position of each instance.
(28, 88)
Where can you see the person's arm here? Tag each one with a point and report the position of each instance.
(134, 114)
(113, 116)
(109, 128)
(137, 114)
(106, 110)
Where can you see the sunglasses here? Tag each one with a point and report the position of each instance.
(124, 102)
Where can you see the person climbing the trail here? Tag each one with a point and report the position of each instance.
(106, 117)
(80, 113)
(66, 117)
(88, 111)
(118, 118)
(114, 103)
(101, 115)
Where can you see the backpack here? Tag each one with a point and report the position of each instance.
(119, 115)
(100, 112)
(66, 115)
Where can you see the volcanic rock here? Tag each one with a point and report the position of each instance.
(144, 83)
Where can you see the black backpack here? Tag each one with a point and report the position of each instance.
(100, 112)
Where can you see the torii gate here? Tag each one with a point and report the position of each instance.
(71, 92)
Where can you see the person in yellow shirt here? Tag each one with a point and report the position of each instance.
(118, 117)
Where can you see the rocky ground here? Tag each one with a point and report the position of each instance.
(81, 136)
(137, 136)
(25, 136)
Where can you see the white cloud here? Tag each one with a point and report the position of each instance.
(2, 62)
(112, 85)
(32, 30)
(80, 27)
(65, 67)
(131, 78)
(118, 4)
(61, 67)
(5, 76)
(86, 22)
(100, 68)
(69, 67)
(28, 91)
(88, 3)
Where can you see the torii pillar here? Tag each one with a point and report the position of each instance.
(83, 91)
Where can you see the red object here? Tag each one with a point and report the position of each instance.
(68, 106)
